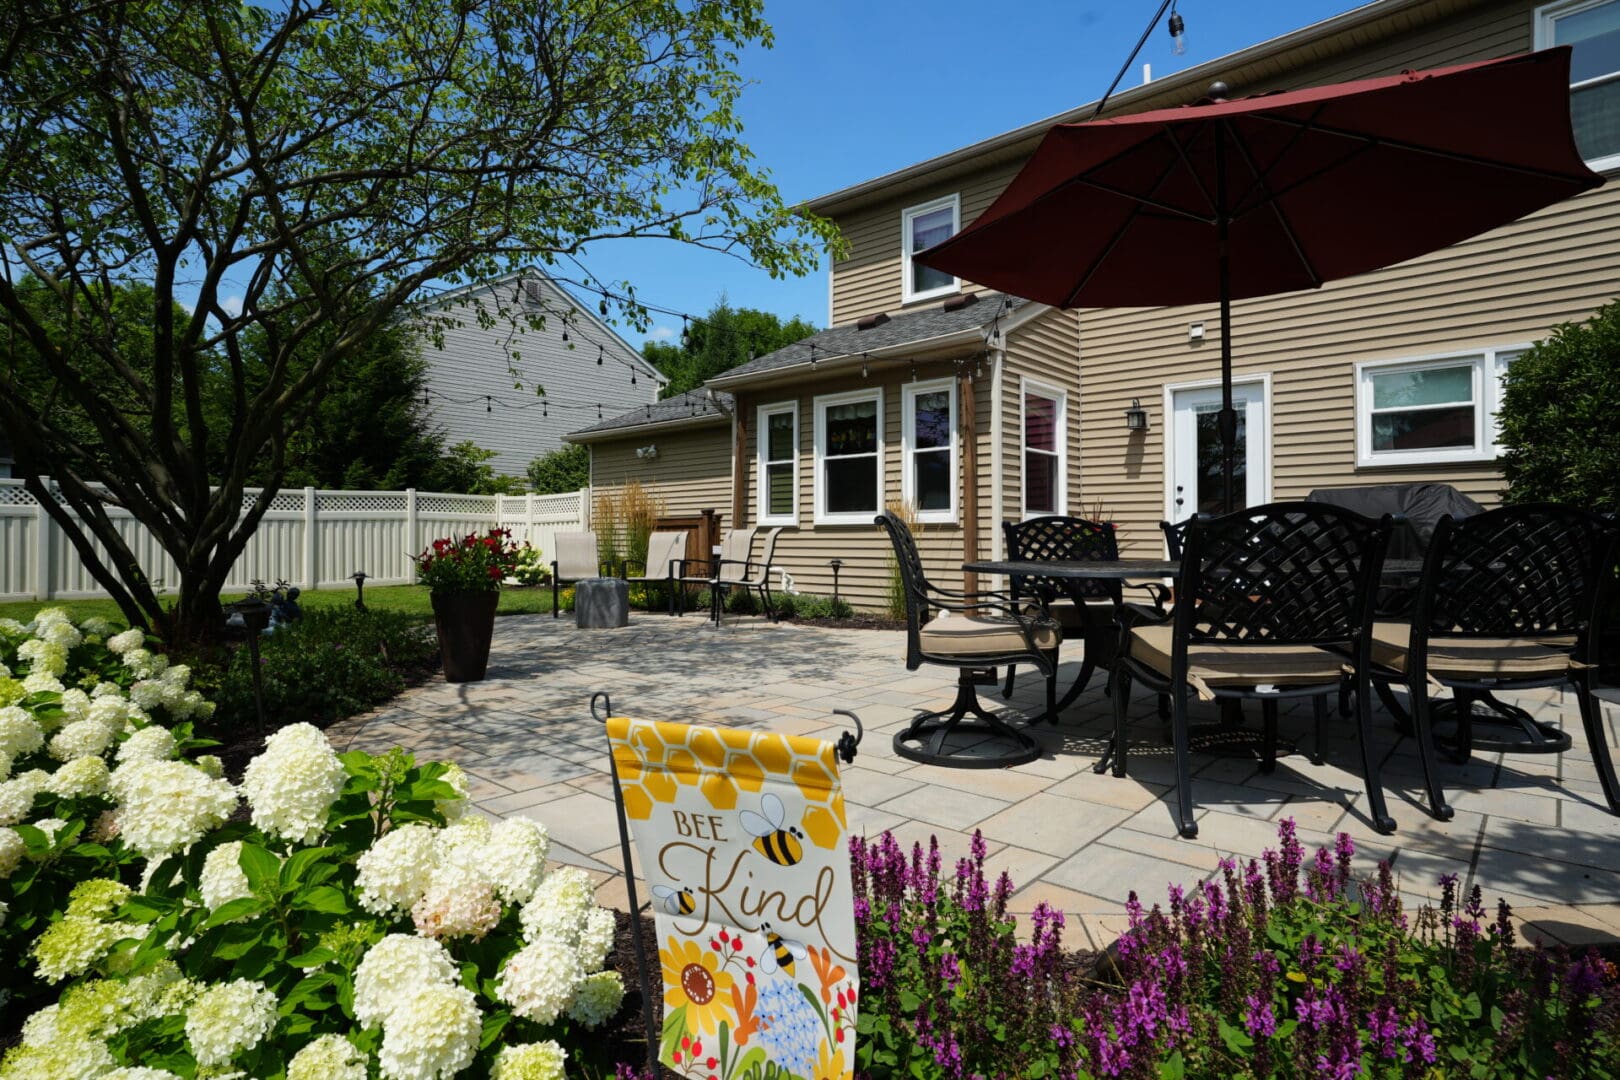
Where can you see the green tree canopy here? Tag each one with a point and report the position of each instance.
(720, 341)
(567, 468)
(323, 163)
(1558, 416)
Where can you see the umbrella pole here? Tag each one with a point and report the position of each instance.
(1226, 420)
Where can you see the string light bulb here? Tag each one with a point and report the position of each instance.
(599, 356)
(489, 403)
(1178, 33)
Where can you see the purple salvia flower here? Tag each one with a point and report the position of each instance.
(1258, 1017)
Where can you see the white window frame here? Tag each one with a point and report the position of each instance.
(1026, 386)
(762, 505)
(821, 403)
(1489, 364)
(908, 447)
(1545, 38)
(907, 293)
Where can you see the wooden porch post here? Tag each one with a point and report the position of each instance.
(739, 463)
(970, 476)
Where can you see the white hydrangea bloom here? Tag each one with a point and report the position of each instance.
(177, 675)
(292, 785)
(103, 689)
(432, 1036)
(151, 743)
(330, 1057)
(454, 809)
(462, 841)
(75, 704)
(20, 733)
(50, 827)
(596, 938)
(96, 625)
(148, 693)
(539, 980)
(45, 616)
(97, 898)
(559, 906)
(598, 998)
(515, 858)
(530, 1061)
(12, 626)
(393, 969)
(129, 639)
(11, 851)
(44, 657)
(6, 762)
(113, 711)
(43, 1027)
(222, 879)
(459, 901)
(64, 635)
(140, 1072)
(71, 1055)
(144, 664)
(17, 798)
(394, 873)
(5, 672)
(82, 738)
(229, 1018)
(210, 764)
(80, 777)
(42, 682)
(168, 805)
(69, 946)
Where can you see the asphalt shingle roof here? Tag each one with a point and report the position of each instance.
(687, 406)
(904, 329)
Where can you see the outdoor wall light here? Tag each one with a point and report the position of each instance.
(648, 453)
(1195, 333)
(1136, 416)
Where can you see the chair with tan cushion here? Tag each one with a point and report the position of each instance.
(664, 557)
(738, 570)
(1509, 599)
(576, 560)
(1269, 602)
(974, 633)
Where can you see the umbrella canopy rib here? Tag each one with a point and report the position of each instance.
(1276, 208)
(1119, 234)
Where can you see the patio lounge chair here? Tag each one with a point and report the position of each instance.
(575, 561)
(738, 571)
(1264, 595)
(664, 559)
(1084, 609)
(1509, 599)
(971, 632)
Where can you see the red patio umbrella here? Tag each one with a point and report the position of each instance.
(1277, 192)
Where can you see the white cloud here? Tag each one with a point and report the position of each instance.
(661, 333)
(232, 305)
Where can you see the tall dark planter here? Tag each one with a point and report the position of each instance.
(465, 621)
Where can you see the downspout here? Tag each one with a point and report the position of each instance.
(997, 498)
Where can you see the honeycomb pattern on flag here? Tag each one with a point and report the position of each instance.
(655, 758)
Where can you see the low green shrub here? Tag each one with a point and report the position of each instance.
(327, 665)
(808, 607)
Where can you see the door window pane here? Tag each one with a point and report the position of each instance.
(1210, 478)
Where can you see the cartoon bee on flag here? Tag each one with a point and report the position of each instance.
(779, 952)
(675, 901)
(784, 847)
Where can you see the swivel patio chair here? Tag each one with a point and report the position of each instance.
(1086, 610)
(972, 632)
(738, 571)
(576, 560)
(664, 551)
(1265, 594)
(1509, 599)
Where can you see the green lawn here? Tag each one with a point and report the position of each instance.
(412, 599)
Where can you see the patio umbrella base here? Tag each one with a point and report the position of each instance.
(945, 738)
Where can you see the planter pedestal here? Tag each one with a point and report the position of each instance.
(466, 622)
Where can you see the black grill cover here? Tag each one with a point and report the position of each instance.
(1423, 505)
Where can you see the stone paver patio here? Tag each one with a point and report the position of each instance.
(1533, 830)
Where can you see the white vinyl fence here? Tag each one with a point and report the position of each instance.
(312, 538)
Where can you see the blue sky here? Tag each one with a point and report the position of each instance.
(856, 88)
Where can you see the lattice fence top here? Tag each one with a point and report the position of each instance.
(512, 504)
(455, 504)
(360, 502)
(12, 493)
(283, 500)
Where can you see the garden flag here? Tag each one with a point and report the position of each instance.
(741, 836)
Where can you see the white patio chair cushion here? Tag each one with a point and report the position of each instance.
(576, 556)
(955, 634)
(1475, 658)
(1237, 665)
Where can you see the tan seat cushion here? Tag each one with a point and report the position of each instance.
(954, 634)
(1475, 658)
(1237, 665)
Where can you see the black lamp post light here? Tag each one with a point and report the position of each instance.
(359, 577)
(836, 564)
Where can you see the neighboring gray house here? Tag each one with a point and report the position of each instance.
(470, 381)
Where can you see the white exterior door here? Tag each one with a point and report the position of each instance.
(1193, 449)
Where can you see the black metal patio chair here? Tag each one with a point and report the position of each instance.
(974, 633)
(1265, 596)
(1086, 610)
(1511, 599)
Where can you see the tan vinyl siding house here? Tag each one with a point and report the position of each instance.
(1311, 358)
(678, 449)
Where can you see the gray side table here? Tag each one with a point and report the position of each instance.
(601, 603)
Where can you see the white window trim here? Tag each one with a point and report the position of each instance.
(907, 294)
(862, 517)
(908, 441)
(1545, 38)
(762, 514)
(1488, 363)
(1027, 385)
